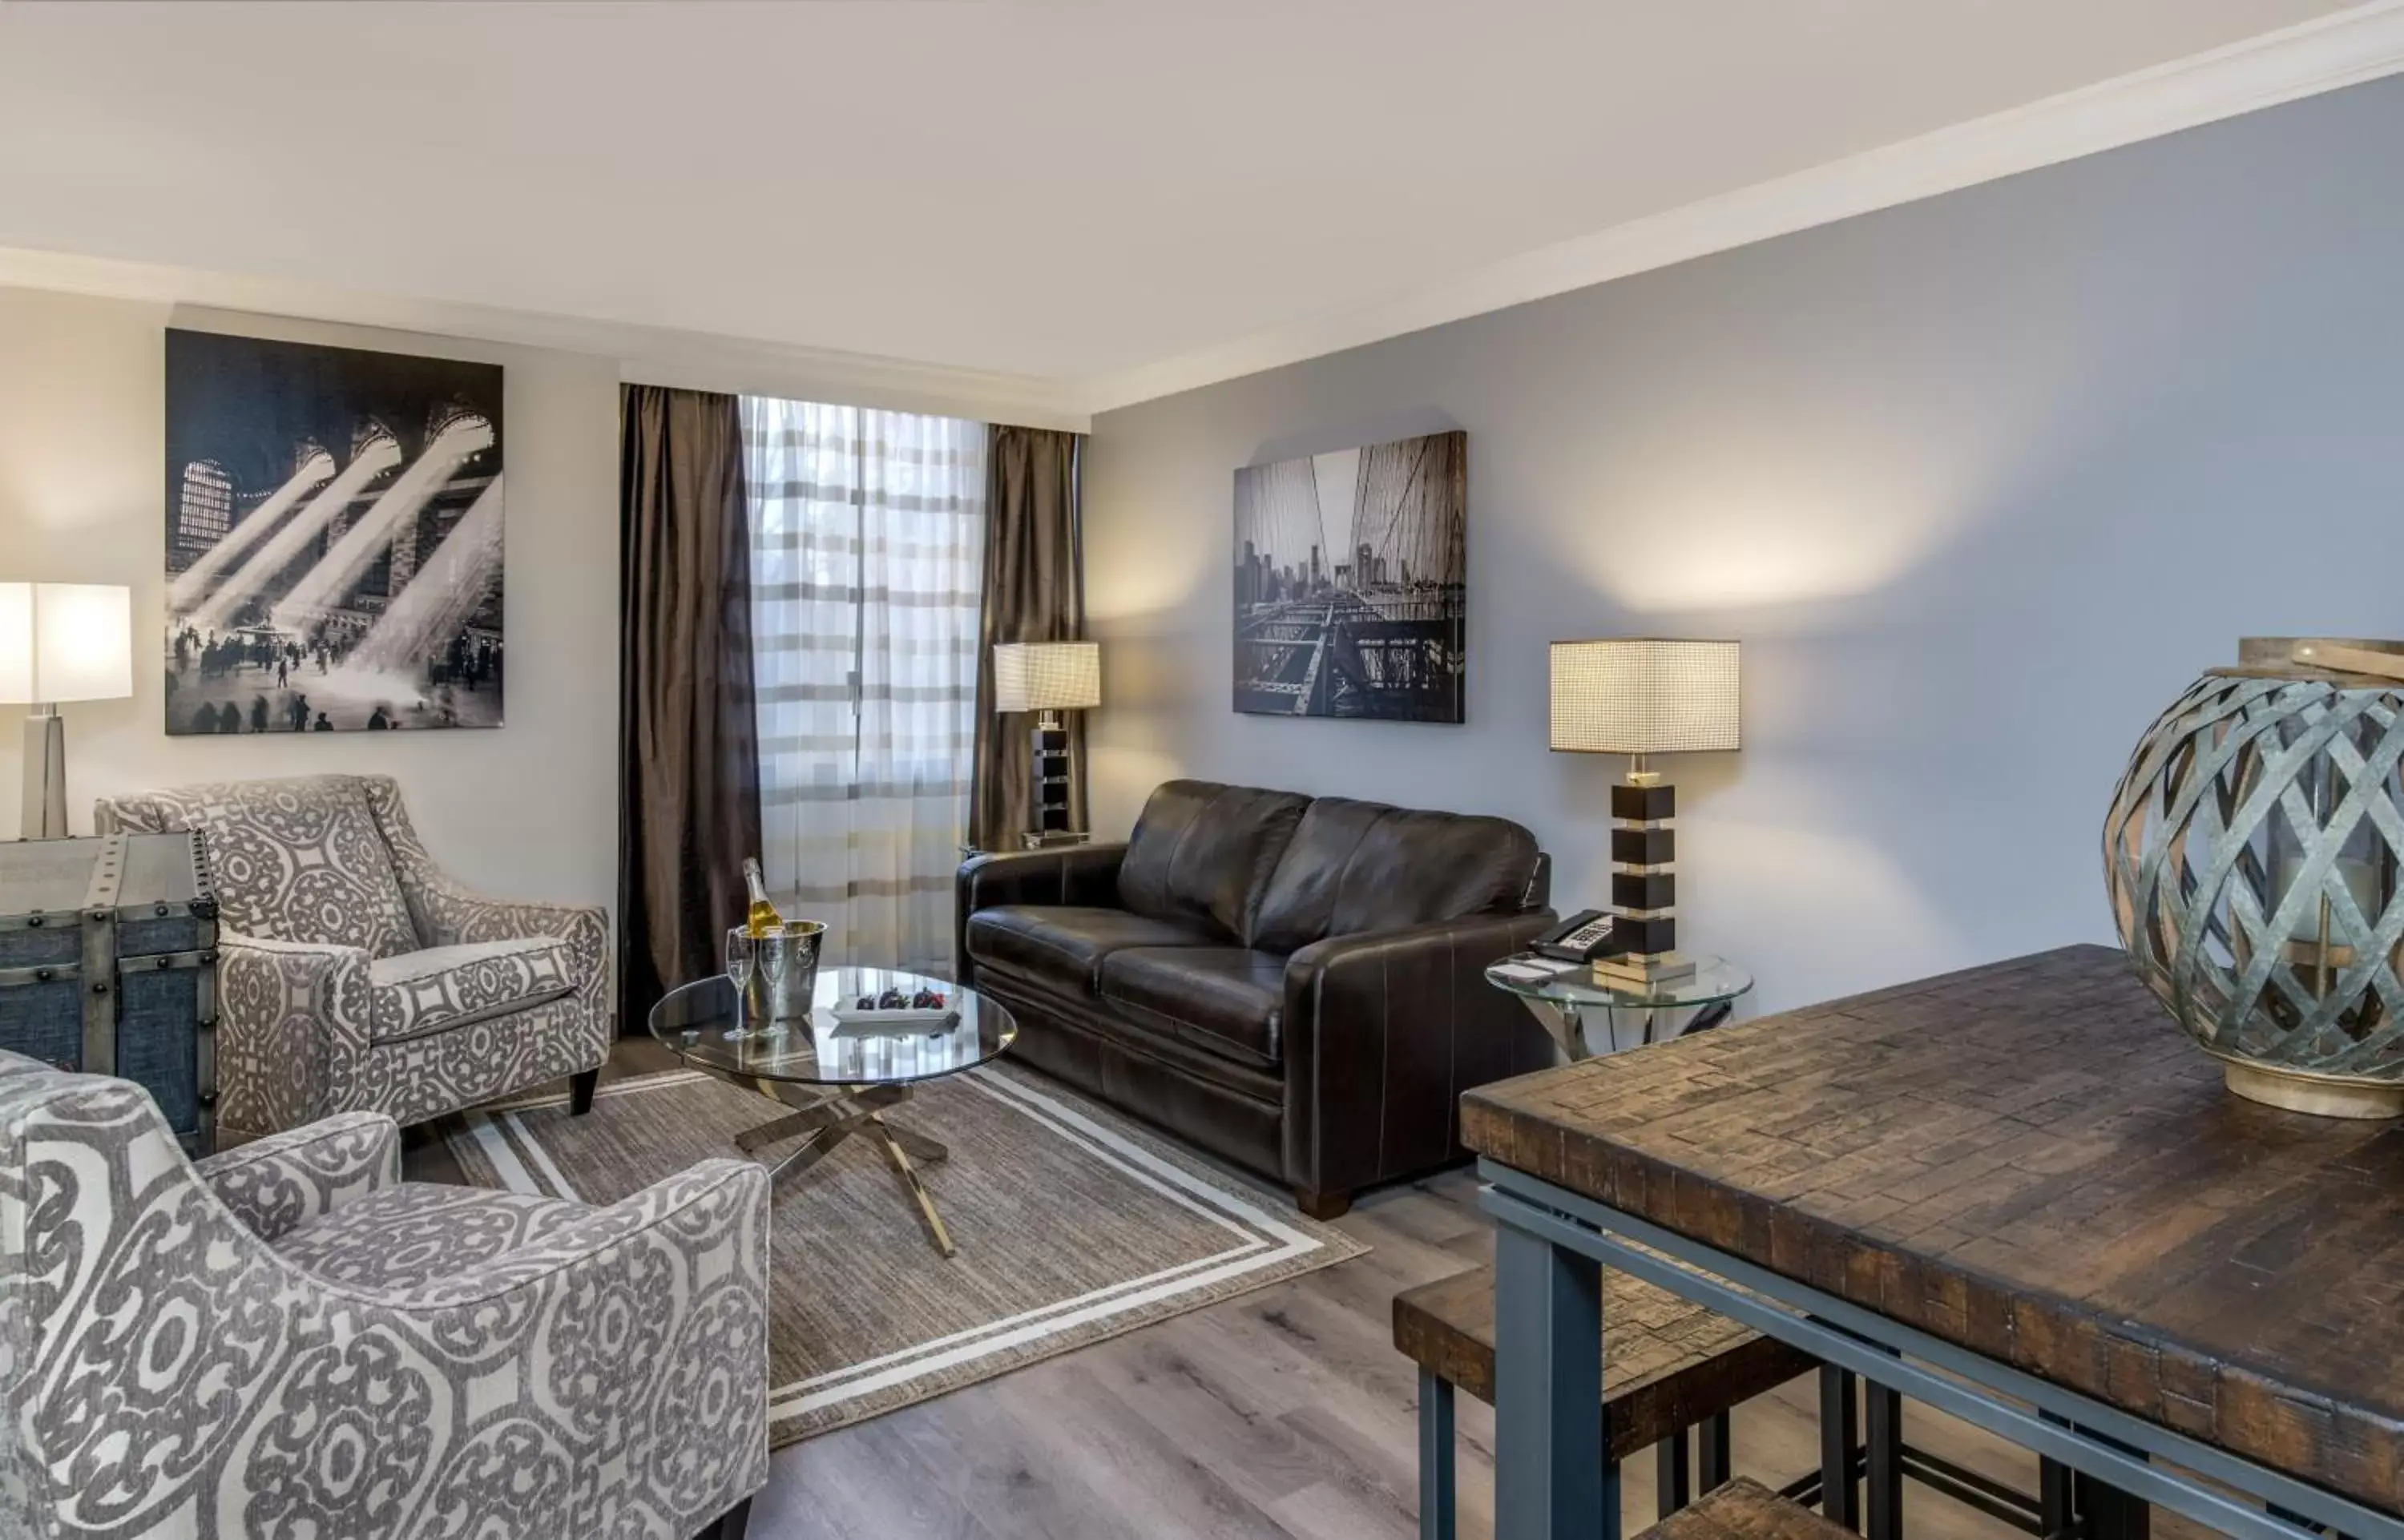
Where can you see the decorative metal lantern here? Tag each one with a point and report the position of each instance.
(2251, 855)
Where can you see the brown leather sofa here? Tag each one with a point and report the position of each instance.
(1294, 984)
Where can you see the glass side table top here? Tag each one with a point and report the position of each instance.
(693, 1021)
(1715, 979)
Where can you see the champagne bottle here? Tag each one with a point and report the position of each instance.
(763, 917)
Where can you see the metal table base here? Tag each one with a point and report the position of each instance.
(1549, 1485)
(827, 1117)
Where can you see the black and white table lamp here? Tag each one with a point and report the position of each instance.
(60, 641)
(1047, 679)
(1641, 697)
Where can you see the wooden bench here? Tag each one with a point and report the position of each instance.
(1669, 1364)
(1745, 1510)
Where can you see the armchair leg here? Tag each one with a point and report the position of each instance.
(729, 1525)
(579, 1092)
(1322, 1206)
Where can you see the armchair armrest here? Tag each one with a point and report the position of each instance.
(292, 1026)
(698, 1213)
(448, 915)
(1383, 1031)
(678, 1372)
(1083, 874)
(277, 1183)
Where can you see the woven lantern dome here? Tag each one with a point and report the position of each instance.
(2250, 856)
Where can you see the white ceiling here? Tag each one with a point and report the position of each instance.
(1074, 191)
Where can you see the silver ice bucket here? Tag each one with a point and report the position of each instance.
(799, 941)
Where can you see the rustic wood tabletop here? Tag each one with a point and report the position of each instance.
(2030, 1161)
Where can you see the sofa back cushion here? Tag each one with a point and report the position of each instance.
(299, 859)
(1202, 853)
(1358, 866)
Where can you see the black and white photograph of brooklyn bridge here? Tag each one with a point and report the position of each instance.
(1350, 583)
(334, 538)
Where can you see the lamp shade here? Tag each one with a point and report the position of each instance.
(65, 642)
(1046, 675)
(1643, 696)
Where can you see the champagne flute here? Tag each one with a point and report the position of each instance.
(773, 953)
(741, 950)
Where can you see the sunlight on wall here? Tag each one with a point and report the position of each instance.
(1839, 904)
(1754, 527)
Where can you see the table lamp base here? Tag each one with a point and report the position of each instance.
(45, 808)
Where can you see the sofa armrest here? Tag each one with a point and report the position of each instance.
(280, 1183)
(1083, 874)
(292, 1031)
(1383, 1031)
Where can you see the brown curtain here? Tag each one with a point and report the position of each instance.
(1034, 591)
(689, 762)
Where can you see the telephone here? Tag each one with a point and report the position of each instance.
(1581, 938)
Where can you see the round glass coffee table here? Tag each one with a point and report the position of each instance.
(837, 1080)
(1671, 1008)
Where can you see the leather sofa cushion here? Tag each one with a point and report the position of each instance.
(1202, 853)
(1226, 1000)
(1065, 944)
(436, 988)
(1358, 866)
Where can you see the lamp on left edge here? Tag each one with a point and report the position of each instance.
(60, 641)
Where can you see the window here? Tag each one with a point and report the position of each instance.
(867, 553)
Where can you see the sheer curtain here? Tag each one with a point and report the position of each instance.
(867, 546)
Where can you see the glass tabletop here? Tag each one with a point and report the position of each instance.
(1713, 980)
(694, 1021)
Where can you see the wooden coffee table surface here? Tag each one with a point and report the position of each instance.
(2031, 1160)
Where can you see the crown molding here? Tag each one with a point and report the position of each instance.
(644, 355)
(2324, 54)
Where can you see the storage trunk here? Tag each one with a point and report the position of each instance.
(108, 965)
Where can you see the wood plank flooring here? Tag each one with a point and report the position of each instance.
(1285, 1414)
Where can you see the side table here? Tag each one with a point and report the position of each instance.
(1630, 1018)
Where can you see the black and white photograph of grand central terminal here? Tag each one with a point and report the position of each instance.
(334, 538)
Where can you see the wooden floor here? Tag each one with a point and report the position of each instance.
(1283, 1413)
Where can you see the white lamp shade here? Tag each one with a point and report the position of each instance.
(1644, 696)
(65, 642)
(1046, 675)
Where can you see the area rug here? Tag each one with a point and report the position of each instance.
(1072, 1225)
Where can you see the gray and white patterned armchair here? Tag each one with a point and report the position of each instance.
(354, 976)
(285, 1340)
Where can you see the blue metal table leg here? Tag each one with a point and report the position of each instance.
(1883, 1414)
(1436, 1497)
(1551, 1481)
(1674, 1473)
(2108, 1512)
(1717, 1437)
(1841, 1494)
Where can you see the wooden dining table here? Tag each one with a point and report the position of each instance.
(2018, 1194)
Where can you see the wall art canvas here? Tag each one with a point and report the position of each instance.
(334, 538)
(1351, 580)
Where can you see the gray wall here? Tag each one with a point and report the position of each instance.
(1981, 483)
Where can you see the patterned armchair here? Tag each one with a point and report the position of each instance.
(285, 1340)
(354, 976)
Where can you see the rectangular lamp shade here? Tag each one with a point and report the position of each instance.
(1046, 675)
(65, 642)
(1644, 696)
